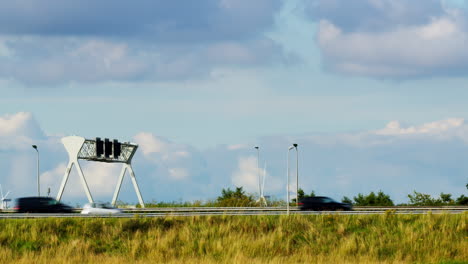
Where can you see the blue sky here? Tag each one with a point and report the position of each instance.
(209, 80)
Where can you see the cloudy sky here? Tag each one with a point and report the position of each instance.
(373, 91)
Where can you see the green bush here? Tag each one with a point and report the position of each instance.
(462, 200)
(422, 199)
(237, 198)
(381, 199)
(346, 200)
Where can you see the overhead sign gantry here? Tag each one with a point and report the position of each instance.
(109, 151)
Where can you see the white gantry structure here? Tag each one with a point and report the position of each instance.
(100, 151)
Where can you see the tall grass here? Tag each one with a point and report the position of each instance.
(238, 239)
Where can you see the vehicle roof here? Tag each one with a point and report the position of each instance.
(35, 198)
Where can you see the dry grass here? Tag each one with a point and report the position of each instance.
(238, 239)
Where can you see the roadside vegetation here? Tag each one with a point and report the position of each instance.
(228, 198)
(239, 198)
(385, 238)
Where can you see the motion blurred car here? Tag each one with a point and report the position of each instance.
(322, 203)
(100, 208)
(40, 205)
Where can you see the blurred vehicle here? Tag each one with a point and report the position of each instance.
(322, 203)
(100, 208)
(40, 205)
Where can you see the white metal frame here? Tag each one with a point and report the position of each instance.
(81, 148)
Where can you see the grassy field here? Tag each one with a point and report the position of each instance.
(238, 239)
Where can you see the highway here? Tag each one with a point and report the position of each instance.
(241, 211)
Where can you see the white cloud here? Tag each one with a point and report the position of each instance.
(68, 42)
(237, 146)
(403, 52)
(102, 177)
(173, 161)
(20, 123)
(53, 178)
(149, 143)
(437, 127)
(51, 61)
(18, 130)
(71, 60)
(395, 48)
(247, 174)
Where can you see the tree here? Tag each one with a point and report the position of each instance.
(301, 195)
(446, 199)
(346, 200)
(421, 199)
(381, 199)
(462, 200)
(237, 198)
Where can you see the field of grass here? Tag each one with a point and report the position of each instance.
(386, 238)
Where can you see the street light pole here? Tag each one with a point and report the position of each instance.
(287, 182)
(258, 172)
(38, 184)
(297, 175)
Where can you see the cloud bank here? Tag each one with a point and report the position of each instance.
(397, 159)
(58, 42)
(396, 39)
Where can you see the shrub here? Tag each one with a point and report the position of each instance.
(422, 199)
(381, 199)
(346, 200)
(462, 200)
(237, 198)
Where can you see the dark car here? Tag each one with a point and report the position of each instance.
(41, 205)
(322, 203)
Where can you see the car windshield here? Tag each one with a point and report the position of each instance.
(52, 202)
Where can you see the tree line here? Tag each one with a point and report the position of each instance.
(240, 198)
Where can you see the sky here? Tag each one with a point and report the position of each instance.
(373, 91)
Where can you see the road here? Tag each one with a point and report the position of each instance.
(245, 211)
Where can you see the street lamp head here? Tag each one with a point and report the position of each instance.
(295, 145)
(256, 147)
(34, 146)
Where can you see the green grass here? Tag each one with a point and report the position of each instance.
(238, 239)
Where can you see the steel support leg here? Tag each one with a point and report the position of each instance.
(84, 183)
(83, 180)
(135, 185)
(128, 167)
(64, 181)
(119, 184)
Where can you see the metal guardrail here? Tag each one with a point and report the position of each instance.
(274, 209)
(219, 213)
(227, 209)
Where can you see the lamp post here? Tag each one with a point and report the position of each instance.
(297, 175)
(38, 184)
(258, 172)
(287, 181)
